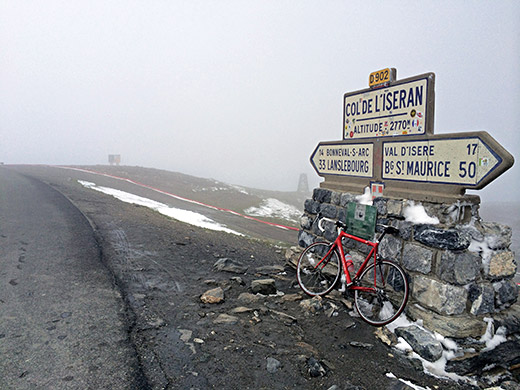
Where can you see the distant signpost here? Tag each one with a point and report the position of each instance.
(388, 144)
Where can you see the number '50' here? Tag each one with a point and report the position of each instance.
(467, 169)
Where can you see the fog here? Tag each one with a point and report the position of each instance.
(241, 91)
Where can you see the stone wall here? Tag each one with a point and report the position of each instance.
(461, 269)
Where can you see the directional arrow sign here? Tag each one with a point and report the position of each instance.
(424, 167)
(470, 160)
(343, 159)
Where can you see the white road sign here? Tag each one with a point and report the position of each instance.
(463, 161)
(399, 109)
(343, 159)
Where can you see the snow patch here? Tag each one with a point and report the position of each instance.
(451, 348)
(366, 198)
(408, 383)
(438, 368)
(186, 216)
(274, 208)
(483, 248)
(416, 214)
(492, 340)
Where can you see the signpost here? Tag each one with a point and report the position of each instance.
(401, 108)
(467, 160)
(388, 144)
(344, 159)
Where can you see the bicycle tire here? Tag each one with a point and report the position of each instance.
(317, 278)
(386, 302)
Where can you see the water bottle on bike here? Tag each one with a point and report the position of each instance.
(350, 265)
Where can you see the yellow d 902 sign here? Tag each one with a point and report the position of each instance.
(380, 77)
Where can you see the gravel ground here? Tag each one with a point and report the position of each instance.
(281, 341)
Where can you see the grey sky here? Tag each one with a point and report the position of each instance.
(241, 91)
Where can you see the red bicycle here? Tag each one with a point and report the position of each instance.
(380, 287)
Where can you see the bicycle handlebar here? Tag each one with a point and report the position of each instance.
(339, 224)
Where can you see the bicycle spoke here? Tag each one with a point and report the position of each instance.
(316, 273)
(384, 303)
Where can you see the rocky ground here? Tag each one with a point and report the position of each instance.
(214, 310)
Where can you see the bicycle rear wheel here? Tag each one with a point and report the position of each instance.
(318, 269)
(381, 304)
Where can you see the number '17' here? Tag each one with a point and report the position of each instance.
(472, 149)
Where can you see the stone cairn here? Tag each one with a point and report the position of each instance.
(461, 270)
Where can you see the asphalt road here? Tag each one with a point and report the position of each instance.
(62, 321)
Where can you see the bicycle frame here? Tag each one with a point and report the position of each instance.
(373, 253)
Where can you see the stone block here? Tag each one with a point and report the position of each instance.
(306, 222)
(405, 230)
(441, 297)
(507, 353)
(342, 214)
(329, 210)
(460, 326)
(394, 206)
(435, 210)
(305, 239)
(509, 319)
(502, 265)
(335, 198)
(457, 213)
(472, 231)
(311, 206)
(458, 267)
(380, 205)
(481, 298)
(322, 195)
(390, 248)
(346, 198)
(417, 258)
(506, 293)
(497, 236)
(330, 233)
(441, 238)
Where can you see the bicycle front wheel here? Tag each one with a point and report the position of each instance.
(318, 269)
(382, 294)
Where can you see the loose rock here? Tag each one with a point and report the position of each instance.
(226, 319)
(315, 368)
(229, 265)
(215, 295)
(312, 306)
(422, 342)
(269, 269)
(272, 365)
(263, 286)
(248, 298)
